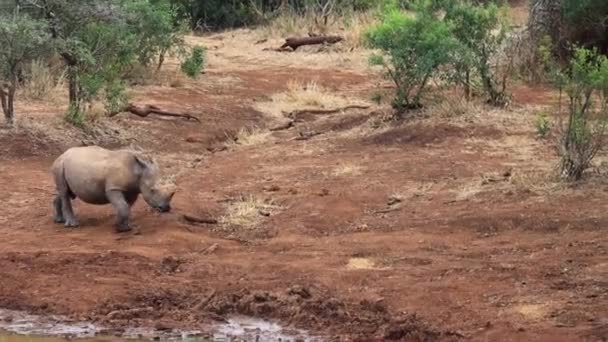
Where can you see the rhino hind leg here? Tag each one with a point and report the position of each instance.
(123, 208)
(63, 202)
(58, 210)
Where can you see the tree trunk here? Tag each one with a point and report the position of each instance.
(73, 96)
(10, 115)
(161, 60)
(4, 103)
(546, 20)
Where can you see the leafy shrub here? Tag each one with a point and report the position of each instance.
(585, 82)
(586, 22)
(75, 116)
(481, 32)
(542, 125)
(22, 40)
(194, 64)
(413, 48)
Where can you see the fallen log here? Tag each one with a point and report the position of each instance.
(151, 109)
(295, 42)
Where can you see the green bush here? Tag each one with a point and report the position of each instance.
(586, 23)
(414, 47)
(22, 39)
(194, 64)
(585, 82)
(481, 32)
(542, 125)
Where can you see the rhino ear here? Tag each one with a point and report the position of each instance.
(143, 164)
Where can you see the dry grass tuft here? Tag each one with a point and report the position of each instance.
(347, 169)
(247, 211)
(169, 75)
(309, 95)
(541, 181)
(42, 82)
(454, 107)
(249, 137)
(468, 190)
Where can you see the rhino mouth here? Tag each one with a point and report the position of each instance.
(163, 208)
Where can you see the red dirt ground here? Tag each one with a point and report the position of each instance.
(499, 264)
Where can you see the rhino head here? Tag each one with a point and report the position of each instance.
(156, 191)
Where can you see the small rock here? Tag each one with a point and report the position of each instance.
(264, 213)
(393, 200)
(194, 139)
(160, 326)
(323, 192)
(300, 291)
(271, 188)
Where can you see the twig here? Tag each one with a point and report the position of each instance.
(204, 301)
(194, 219)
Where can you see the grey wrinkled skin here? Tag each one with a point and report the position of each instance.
(99, 176)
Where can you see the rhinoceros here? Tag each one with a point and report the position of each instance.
(100, 176)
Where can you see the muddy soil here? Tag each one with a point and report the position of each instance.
(428, 230)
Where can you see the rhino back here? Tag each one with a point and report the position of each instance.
(90, 171)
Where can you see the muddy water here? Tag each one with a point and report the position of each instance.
(30, 338)
(21, 327)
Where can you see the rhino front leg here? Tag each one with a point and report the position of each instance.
(123, 209)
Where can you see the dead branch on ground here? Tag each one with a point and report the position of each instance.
(297, 112)
(151, 109)
(283, 126)
(195, 219)
(295, 42)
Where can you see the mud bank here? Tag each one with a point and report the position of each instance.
(18, 326)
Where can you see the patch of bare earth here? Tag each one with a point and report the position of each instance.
(343, 223)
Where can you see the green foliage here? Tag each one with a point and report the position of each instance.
(100, 41)
(158, 29)
(413, 47)
(221, 14)
(542, 125)
(585, 82)
(377, 98)
(194, 64)
(75, 116)
(22, 40)
(481, 31)
(586, 22)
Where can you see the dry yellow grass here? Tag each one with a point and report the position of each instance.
(234, 51)
(247, 211)
(541, 181)
(298, 96)
(43, 83)
(249, 137)
(351, 26)
(347, 169)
